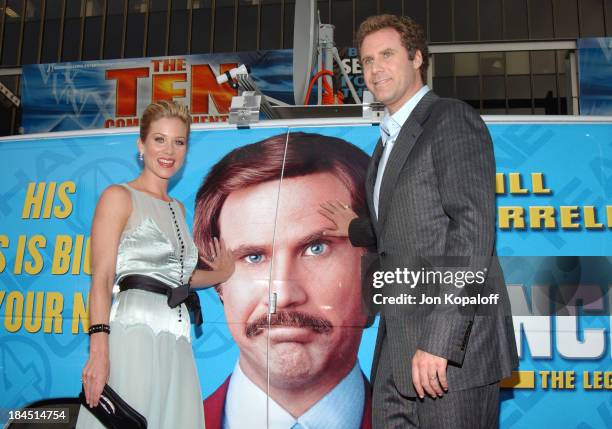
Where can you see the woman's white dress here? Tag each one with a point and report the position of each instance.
(151, 360)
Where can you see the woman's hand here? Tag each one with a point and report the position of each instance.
(95, 373)
(220, 259)
(340, 214)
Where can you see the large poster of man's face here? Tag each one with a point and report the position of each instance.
(301, 364)
(293, 306)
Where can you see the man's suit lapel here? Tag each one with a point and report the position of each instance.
(371, 179)
(409, 134)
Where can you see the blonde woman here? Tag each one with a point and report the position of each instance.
(140, 345)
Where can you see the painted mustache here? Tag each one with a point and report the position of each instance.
(295, 319)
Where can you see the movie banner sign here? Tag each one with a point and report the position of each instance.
(554, 217)
(114, 93)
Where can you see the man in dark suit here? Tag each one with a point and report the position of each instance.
(430, 193)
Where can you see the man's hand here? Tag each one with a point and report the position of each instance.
(340, 214)
(429, 374)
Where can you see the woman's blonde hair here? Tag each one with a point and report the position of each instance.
(163, 109)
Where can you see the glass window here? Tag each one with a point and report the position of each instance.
(269, 35)
(113, 34)
(441, 21)
(17, 129)
(134, 38)
(444, 64)
(543, 62)
(391, 6)
(591, 18)
(363, 9)
(115, 7)
(543, 84)
(224, 26)
(520, 110)
(32, 11)
(561, 85)
(519, 95)
(288, 24)
(563, 91)
(515, 20)
(6, 108)
(51, 31)
(493, 111)
(444, 86)
(156, 29)
(466, 64)
(12, 30)
(342, 19)
(247, 25)
(201, 26)
(608, 7)
(492, 63)
(31, 32)
(494, 93)
(566, 18)
(491, 20)
(466, 16)
(545, 95)
(53, 9)
(519, 92)
(517, 63)
(540, 19)
(179, 28)
(91, 38)
(417, 10)
(6, 119)
(94, 7)
(323, 6)
(561, 57)
(93, 29)
(72, 31)
(73, 9)
(137, 6)
(468, 90)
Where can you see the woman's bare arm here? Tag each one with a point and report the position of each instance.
(112, 212)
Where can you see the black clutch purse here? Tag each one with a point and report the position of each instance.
(113, 412)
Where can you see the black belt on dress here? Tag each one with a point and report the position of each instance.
(176, 295)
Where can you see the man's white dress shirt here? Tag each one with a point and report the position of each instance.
(245, 406)
(389, 130)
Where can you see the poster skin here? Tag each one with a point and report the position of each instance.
(545, 209)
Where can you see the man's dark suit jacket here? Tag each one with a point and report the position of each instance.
(437, 198)
(214, 407)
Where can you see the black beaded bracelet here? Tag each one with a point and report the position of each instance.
(93, 329)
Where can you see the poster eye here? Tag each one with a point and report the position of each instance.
(254, 258)
(316, 249)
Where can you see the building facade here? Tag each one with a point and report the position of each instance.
(514, 81)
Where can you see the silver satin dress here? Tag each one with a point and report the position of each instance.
(151, 359)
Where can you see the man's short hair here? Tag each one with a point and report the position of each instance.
(287, 155)
(411, 34)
